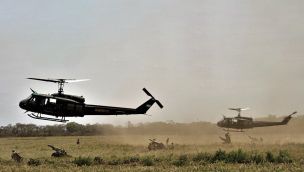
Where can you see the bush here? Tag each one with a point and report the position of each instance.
(147, 161)
(98, 160)
(202, 157)
(132, 159)
(114, 162)
(181, 161)
(33, 162)
(283, 157)
(270, 157)
(219, 155)
(83, 161)
(257, 158)
(238, 156)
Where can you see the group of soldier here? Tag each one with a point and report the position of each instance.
(227, 139)
(58, 152)
(154, 145)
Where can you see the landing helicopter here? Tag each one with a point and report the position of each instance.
(239, 122)
(63, 105)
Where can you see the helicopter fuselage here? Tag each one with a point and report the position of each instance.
(240, 123)
(64, 105)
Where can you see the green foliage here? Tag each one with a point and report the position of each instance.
(131, 159)
(257, 158)
(98, 160)
(283, 157)
(219, 155)
(202, 157)
(181, 161)
(114, 162)
(241, 156)
(73, 127)
(147, 161)
(83, 161)
(238, 156)
(270, 157)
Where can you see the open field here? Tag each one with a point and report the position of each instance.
(130, 153)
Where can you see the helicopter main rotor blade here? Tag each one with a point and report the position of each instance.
(239, 109)
(59, 80)
(159, 104)
(147, 92)
(46, 80)
(75, 80)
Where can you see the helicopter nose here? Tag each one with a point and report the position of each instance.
(21, 104)
(219, 123)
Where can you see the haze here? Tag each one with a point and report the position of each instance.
(197, 57)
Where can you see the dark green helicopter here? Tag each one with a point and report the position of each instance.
(63, 105)
(239, 122)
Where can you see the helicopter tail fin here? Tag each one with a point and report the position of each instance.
(287, 118)
(142, 109)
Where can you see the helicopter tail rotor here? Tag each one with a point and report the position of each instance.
(142, 109)
(156, 101)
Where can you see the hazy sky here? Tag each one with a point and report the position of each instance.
(197, 57)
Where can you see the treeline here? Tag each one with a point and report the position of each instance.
(69, 129)
(72, 128)
(295, 126)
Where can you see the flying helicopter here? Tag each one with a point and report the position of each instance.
(239, 122)
(63, 105)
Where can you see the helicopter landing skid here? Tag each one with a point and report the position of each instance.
(227, 130)
(38, 116)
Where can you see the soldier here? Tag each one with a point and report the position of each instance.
(58, 152)
(154, 145)
(78, 141)
(172, 146)
(16, 157)
(227, 139)
(167, 141)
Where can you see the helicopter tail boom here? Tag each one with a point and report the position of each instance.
(287, 119)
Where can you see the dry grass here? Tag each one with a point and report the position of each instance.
(118, 150)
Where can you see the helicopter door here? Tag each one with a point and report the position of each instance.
(79, 109)
(70, 108)
(60, 107)
(40, 101)
(50, 105)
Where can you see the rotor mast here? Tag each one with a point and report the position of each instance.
(239, 110)
(60, 87)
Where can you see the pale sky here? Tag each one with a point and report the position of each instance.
(198, 57)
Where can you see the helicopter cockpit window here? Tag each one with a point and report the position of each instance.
(52, 100)
(32, 99)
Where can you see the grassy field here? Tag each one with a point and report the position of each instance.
(130, 153)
